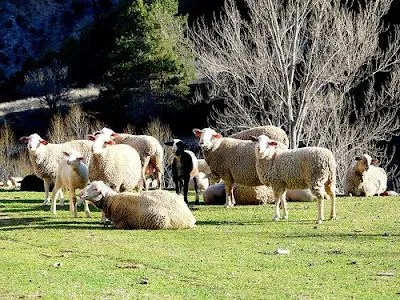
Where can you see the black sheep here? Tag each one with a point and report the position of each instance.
(184, 167)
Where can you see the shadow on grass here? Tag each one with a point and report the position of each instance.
(9, 224)
(21, 200)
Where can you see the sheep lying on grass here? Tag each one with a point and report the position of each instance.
(45, 156)
(72, 173)
(184, 167)
(364, 178)
(310, 167)
(244, 195)
(156, 209)
(149, 148)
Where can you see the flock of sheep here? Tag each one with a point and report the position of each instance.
(111, 168)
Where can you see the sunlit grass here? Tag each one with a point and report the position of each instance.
(230, 254)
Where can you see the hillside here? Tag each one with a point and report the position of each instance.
(30, 28)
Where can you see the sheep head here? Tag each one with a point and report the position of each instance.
(101, 141)
(208, 138)
(94, 192)
(363, 163)
(178, 146)
(34, 141)
(264, 147)
(73, 158)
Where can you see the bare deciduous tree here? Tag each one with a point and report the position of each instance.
(301, 65)
(49, 84)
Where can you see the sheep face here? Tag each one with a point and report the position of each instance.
(101, 141)
(94, 192)
(107, 131)
(73, 158)
(208, 137)
(33, 141)
(178, 146)
(264, 147)
(363, 163)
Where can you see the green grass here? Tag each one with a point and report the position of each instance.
(229, 255)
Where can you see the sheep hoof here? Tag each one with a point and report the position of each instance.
(275, 218)
(319, 222)
(46, 202)
(286, 217)
(333, 218)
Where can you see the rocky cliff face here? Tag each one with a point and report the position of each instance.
(30, 28)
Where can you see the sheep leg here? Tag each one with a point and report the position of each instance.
(319, 194)
(278, 198)
(159, 178)
(330, 191)
(285, 206)
(62, 199)
(230, 198)
(46, 184)
(56, 190)
(87, 210)
(196, 189)
(186, 188)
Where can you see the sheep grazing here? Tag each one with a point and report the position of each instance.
(149, 148)
(45, 156)
(232, 160)
(156, 209)
(364, 178)
(244, 195)
(273, 132)
(116, 164)
(184, 167)
(310, 167)
(72, 173)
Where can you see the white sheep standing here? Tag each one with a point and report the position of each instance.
(364, 178)
(116, 164)
(310, 167)
(155, 209)
(232, 160)
(72, 173)
(150, 151)
(45, 156)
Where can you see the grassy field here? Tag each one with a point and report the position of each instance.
(229, 255)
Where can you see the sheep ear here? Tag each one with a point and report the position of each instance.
(114, 134)
(92, 137)
(375, 162)
(44, 142)
(66, 154)
(273, 143)
(168, 143)
(217, 135)
(197, 132)
(96, 133)
(253, 138)
(23, 139)
(110, 142)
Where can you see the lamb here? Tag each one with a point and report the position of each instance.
(244, 195)
(273, 132)
(156, 209)
(72, 173)
(364, 178)
(45, 156)
(310, 167)
(184, 167)
(150, 151)
(116, 164)
(232, 160)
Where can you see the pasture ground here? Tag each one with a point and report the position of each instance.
(229, 255)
